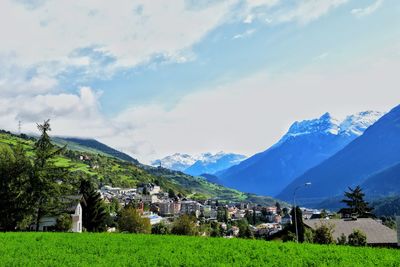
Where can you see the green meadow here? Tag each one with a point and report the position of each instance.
(64, 249)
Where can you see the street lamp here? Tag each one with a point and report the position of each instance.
(295, 208)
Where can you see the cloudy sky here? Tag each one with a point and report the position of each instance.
(157, 77)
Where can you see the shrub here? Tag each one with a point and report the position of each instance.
(342, 240)
(323, 234)
(357, 238)
(160, 229)
(308, 235)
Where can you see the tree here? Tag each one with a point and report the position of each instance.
(131, 221)
(357, 238)
(15, 172)
(222, 214)
(278, 208)
(323, 234)
(171, 193)
(216, 230)
(48, 182)
(185, 225)
(356, 203)
(244, 229)
(64, 222)
(300, 224)
(93, 208)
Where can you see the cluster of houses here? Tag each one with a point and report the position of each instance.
(163, 207)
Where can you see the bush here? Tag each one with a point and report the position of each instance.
(323, 234)
(184, 225)
(357, 238)
(160, 229)
(342, 240)
(131, 221)
(289, 237)
(308, 235)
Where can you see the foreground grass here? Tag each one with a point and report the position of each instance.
(51, 249)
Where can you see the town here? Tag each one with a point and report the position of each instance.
(263, 221)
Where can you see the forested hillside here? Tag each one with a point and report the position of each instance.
(110, 170)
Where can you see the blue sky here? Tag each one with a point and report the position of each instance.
(158, 77)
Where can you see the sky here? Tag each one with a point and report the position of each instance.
(153, 78)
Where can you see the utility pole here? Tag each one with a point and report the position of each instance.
(19, 127)
(295, 209)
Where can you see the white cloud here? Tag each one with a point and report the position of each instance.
(361, 12)
(130, 32)
(245, 34)
(250, 115)
(307, 11)
(244, 117)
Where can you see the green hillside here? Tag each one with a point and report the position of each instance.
(56, 249)
(107, 169)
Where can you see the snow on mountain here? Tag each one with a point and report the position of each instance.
(306, 144)
(199, 164)
(353, 125)
(177, 161)
(356, 124)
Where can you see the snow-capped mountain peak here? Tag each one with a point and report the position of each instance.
(199, 164)
(354, 124)
(325, 124)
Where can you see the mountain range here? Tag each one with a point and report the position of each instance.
(304, 146)
(206, 163)
(370, 160)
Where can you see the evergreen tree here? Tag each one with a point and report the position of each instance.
(356, 203)
(300, 224)
(94, 211)
(15, 171)
(278, 208)
(48, 182)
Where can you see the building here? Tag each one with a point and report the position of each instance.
(190, 207)
(48, 223)
(169, 208)
(154, 218)
(377, 234)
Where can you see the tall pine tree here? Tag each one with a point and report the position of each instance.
(356, 203)
(94, 211)
(48, 182)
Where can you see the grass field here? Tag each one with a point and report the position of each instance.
(56, 249)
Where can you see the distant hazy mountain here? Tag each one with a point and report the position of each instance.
(306, 144)
(384, 183)
(200, 164)
(176, 162)
(376, 150)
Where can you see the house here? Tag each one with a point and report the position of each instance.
(377, 234)
(48, 223)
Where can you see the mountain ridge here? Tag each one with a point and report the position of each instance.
(306, 144)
